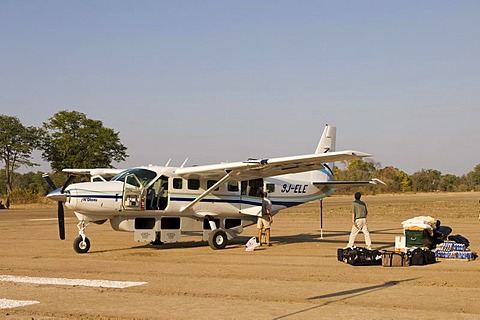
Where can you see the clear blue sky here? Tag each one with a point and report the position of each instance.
(227, 80)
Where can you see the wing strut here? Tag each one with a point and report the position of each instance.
(227, 177)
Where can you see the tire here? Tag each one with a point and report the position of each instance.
(80, 246)
(217, 239)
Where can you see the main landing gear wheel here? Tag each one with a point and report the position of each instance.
(81, 246)
(217, 239)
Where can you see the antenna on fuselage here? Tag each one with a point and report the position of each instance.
(168, 162)
(184, 162)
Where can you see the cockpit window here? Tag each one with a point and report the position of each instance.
(144, 175)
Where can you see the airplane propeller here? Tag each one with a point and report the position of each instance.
(59, 195)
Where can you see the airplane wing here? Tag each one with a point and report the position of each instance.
(261, 168)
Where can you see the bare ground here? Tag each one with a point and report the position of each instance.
(297, 278)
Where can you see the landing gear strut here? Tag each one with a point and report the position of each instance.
(81, 244)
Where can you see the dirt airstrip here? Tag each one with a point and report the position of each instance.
(297, 278)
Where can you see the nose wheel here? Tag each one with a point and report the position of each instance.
(81, 245)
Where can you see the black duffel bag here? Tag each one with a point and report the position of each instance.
(363, 257)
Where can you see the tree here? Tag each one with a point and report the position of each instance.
(395, 180)
(473, 178)
(16, 145)
(426, 180)
(355, 170)
(449, 182)
(71, 140)
(359, 169)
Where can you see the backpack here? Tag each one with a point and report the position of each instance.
(459, 239)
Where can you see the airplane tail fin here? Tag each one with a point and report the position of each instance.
(327, 141)
(326, 144)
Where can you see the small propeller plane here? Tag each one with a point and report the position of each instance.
(159, 203)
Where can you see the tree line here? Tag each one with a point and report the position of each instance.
(71, 140)
(397, 181)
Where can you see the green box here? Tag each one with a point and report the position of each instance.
(417, 238)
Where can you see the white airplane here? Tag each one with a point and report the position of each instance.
(159, 203)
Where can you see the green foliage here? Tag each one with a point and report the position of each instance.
(16, 142)
(71, 140)
(16, 145)
(361, 169)
(472, 179)
(426, 180)
(395, 180)
(449, 182)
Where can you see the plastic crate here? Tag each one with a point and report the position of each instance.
(417, 238)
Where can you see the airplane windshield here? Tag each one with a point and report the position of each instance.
(144, 175)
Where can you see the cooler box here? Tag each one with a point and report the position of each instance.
(417, 238)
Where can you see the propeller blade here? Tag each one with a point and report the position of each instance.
(47, 178)
(69, 180)
(61, 220)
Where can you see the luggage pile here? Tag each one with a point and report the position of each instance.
(424, 241)
(427, 234)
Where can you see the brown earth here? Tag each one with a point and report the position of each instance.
(297, 278)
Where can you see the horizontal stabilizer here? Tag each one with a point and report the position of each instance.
(338, 184)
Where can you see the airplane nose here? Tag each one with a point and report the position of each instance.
(57, 195)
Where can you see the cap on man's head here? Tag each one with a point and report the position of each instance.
(358, 195)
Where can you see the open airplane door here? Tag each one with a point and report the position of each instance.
(133, 197)
(251, 197)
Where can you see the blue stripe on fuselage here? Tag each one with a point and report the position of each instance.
(116, 196)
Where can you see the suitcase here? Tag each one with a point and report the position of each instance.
(364, 257)
(395, 259)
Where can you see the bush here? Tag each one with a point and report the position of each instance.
(21, 196)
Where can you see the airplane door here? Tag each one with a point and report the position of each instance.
(133, 197)
(251, 196)
(157, 194)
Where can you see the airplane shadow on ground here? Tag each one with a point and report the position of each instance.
(347, 294)
(240, 241)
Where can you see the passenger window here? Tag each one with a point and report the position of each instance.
(193, 184)
(177, 183)
(270, 187)
(232, 186)
(210, 184)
